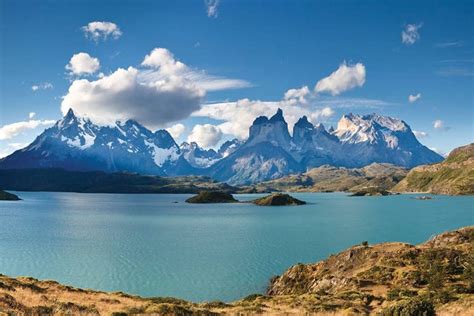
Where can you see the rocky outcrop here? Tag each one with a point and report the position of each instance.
(277, 199)
(212, 197)
(389, 276)
(6, 196)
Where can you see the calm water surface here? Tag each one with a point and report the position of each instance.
(151, 246)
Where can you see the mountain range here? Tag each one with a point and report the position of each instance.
(270, 152)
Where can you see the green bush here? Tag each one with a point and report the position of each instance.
(413, 307)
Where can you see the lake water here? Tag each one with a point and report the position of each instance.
(151, 246)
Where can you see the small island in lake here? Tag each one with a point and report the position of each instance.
(212, 197)
(372, 191)
(277, 199)
(5, 196)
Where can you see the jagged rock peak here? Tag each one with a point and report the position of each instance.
(278, 116)
(304, 123)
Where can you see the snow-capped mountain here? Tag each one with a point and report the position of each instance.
(375, 138)
(75, 143)
(270, 152)
(197, 156)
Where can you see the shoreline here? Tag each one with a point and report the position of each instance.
(48, 297)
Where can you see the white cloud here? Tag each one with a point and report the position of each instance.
(164, 65)
(163, 59)
(101, 31)
(82, 64)
(31, 115)
(297, 95)
(211, 7)
(176, 130)
(239, 115)
(420, 134)
(11, 130)
(414, 97)
(206, 135)
(410, 34)
(42, 86)
(346, 77)
(438, 124)
(121, 95)
(165, 90)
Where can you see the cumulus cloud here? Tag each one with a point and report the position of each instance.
(163, 90)
(101, 31)
(211, 8)
(297, 95)
(410, 34)
(420, 134)
(414, 97)
(31, 115)
(176, 130)
(346, 77)
(82, 64)
(42, 86)
(239, 115)
(11, 130)
(439, 125)
(163, 59)
(206, 135)
(121, 95)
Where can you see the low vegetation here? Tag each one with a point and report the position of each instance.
(59, 180)
(454, 175)
(212, 197)
(277, 199)
(436, 277)
(329, 178)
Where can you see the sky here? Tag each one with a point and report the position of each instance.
(205, 69)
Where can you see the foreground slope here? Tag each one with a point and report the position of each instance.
(389, 278)
(455, 175)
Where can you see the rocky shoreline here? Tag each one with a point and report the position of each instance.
(388, 279)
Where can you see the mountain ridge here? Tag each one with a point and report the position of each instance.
(270, 152)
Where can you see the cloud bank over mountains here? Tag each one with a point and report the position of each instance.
(163, 90)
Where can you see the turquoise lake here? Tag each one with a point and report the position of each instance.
(152, 246)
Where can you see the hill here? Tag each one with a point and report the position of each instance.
(60, 180)
(329, 178)
(454, 175)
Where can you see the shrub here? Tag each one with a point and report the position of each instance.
(413, 307)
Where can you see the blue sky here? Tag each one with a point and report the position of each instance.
(252, 51)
